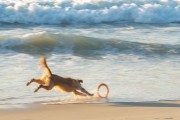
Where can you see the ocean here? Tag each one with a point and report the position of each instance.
(131, 45)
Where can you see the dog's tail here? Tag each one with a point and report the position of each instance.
(45, 66)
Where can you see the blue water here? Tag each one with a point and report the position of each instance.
(133, 46)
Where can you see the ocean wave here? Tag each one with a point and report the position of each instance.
(46, 43)
(89, 11)
(8, 98)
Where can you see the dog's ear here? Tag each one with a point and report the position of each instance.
(80, 81)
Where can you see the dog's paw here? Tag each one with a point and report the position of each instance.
(35, 90)
(38, 88)
(27, 84)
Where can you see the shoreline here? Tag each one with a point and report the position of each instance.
(162, 110)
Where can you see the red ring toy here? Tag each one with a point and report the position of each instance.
(107, 90)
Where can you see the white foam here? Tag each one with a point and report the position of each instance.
(89, 11)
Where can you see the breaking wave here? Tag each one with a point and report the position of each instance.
(44, 43)
(89, 11)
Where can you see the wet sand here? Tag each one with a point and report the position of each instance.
(168, 110)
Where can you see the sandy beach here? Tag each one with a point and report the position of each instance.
(110, 111)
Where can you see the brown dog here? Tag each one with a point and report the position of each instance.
(49, 81)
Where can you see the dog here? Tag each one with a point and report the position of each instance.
(49, 81)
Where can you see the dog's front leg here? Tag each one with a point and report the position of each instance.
(85, 91)
(78, 93)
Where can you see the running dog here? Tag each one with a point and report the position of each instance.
(49, 81)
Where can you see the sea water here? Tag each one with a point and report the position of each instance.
(133, 46)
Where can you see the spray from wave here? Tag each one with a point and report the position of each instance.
(89, 11)
(44, 43)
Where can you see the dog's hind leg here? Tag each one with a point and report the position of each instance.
(85, 91)
(43, 86)
(49, 86)
(35, 80)
(40, 86)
